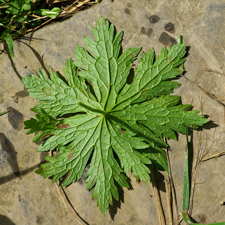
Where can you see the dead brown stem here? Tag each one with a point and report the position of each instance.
(213, 156)
(174, 199)
(214, 71)
(205, 91)
(168, 198)
(39, 26)
(75, 7)
(201, 150)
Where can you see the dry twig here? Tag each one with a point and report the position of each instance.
(175, 219)
(214, 71)
(168, 198)
(201, 152)
(213, 156)
(33, 29)
(205, 91)
(68, 11)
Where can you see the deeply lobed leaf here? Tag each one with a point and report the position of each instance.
(114, 125)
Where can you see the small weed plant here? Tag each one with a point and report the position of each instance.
(97, 116)
(17, 15)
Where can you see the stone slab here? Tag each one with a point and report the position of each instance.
(26, 198)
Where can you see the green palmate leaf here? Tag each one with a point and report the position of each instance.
(96, 116)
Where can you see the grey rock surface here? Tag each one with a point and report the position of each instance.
(27, 198)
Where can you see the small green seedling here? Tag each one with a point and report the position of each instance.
(97, 116)
(16, 15)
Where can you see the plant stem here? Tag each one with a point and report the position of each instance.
(168, 198)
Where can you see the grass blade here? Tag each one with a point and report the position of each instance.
(2, 113)
(186, 186)
(8, 39)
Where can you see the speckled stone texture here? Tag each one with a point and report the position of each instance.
(27, 198)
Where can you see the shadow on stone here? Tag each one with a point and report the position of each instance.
(160, 180)
(187, 52)
(22, 94)
(39, 58)
(117, 204)
(31, 38)
(8, 155)
(4, 220)
(195, 221)
(42, 157)
(15, 118)
(12, 176)
(11, 61)
(209, 125)
(62, 77)
(68, 200)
